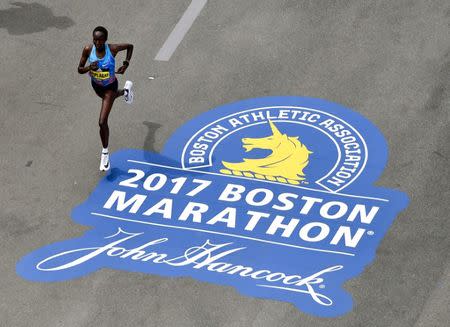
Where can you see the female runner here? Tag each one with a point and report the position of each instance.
(101, 68)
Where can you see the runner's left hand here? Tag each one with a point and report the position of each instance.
(121, 69)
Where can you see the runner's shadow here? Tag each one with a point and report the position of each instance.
(149, 143)
(27, 18)
(150, 151)
(151, 156)
(148, 147)
(114, 173)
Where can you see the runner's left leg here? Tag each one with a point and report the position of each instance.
(120, 93)
(127, 89)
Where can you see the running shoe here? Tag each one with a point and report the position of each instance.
(128, 92)
(104, 162)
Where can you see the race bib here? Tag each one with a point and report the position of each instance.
(100, 75)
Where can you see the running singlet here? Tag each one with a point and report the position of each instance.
(106, 66)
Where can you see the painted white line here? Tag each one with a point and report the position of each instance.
(180, 30)
(257, 180)
(217, 233)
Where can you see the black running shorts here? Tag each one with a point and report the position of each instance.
(100, 90)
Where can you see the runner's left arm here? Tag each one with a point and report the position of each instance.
(116, 48)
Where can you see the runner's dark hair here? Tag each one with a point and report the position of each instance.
(101, 29)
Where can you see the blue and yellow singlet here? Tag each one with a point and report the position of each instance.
(105, 73)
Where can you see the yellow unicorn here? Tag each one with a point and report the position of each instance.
(286, 163)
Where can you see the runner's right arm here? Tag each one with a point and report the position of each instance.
(84, 58)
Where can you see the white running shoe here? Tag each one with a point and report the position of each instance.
(128, 92)
(104, 162)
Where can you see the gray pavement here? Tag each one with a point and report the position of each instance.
(388, 60)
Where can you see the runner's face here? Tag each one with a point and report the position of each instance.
(99, 40)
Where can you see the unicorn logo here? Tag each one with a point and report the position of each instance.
(286, 163)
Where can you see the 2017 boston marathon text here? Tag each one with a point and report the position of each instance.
(328, 223)
(240, 209)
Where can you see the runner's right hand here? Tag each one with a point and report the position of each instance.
(93, 66)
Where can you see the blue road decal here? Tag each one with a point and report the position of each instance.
(272, 195)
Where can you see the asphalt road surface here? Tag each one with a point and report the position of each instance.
(388, 60)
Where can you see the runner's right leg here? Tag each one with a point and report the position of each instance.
(107, 103)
